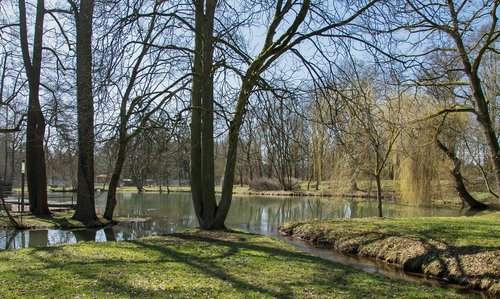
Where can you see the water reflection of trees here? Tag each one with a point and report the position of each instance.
(167, 213)
(84, 235)
(265, 214)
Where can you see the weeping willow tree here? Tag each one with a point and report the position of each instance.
(433, 143)
(416, 175)
(420, 160)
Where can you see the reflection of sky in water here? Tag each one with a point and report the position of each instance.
(167, 213)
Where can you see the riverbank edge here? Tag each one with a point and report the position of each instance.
(229, 263)
(403, 248)
(388, 196)
(57, 220)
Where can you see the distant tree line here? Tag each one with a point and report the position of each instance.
(262, 92)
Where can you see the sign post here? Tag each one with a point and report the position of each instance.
(23, 171)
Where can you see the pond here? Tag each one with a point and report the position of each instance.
(167, 213)
(156, 214)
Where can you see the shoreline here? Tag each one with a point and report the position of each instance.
(415, 245)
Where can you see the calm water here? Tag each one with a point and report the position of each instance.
(166, 213)
(156, 214)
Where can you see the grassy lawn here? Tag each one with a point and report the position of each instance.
(462, 249)
(192, 265)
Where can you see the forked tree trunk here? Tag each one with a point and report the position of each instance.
(202, 144)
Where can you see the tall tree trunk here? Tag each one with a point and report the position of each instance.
(110, 234)
(207, 131)
(12, 158)
(85, 203)
(249, 161)
(457, 177)
(232, 150)
(482, 110)
(6, 135)
(354, 180)
(202, 143)
(126, 107)
(379, 195)
(35, 131)
(113, 183)
(196, 149)
(203, 195)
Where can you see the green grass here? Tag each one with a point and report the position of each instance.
(480, 230)
(462, 249)
(193, 265)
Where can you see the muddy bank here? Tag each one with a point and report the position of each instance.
(431, 246)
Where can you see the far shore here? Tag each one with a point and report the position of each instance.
(388, 196)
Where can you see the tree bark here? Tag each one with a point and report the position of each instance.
(202, 175)
(35, 155)
(85, 203)
(457, 177)
(202, 143)
(379, 194)
(113, 183)
(207, 131)
(232, 149)
(483, 115)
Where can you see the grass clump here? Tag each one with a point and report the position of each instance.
(464, 250)
(192, 265)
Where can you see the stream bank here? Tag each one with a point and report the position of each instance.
(462, 250)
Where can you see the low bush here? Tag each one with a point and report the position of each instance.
(265, 184)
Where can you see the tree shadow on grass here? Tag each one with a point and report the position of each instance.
(443, 260)
(210, 257)
(210, 267)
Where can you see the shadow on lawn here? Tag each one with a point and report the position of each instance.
(444, 260)
(213, 258)
(209, 266)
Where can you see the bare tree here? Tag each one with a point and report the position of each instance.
(282, 35)
(365, 118)
(85, 204)
(145, 72)
(35, 154)
(448, 27)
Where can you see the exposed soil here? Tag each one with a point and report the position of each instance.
(476, 267)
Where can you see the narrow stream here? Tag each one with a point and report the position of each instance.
(157, 214)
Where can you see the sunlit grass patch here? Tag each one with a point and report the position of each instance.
(195, 264)
(465, 250)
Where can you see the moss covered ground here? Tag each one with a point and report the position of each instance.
(464, 250)
(192, 265)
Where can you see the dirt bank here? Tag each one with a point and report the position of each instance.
(463, 250)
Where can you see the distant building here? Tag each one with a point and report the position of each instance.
(127, 182)
(102, 178)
